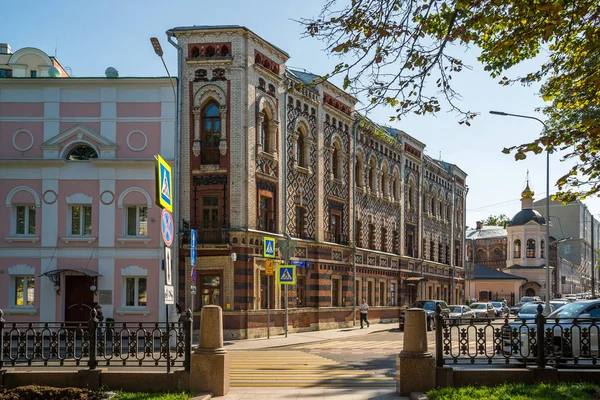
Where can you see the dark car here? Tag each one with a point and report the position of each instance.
(429, 307)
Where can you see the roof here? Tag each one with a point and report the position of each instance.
(481, 272)
(218, 27)
(527, 215)
(305, 77)
(517, 266)
(486, 232)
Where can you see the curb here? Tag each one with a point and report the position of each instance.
(418, 396)
(202, 396)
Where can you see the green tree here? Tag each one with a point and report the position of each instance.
(401, 53)
(497, 220)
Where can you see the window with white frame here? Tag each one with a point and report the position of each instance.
(137, 221)
(24, 291)
(21, 290)
(24, 215)
(135, 291)
(80, 220)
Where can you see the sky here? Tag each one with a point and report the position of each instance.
(88, 37)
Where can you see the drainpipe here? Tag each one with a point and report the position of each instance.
(176, 203)
(354, 132)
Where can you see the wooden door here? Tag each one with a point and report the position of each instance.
(79, 299)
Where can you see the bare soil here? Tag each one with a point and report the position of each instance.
(35, 392)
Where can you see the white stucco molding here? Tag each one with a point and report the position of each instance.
(53, 148)
(14, 58)
(79, 198)
(18, 189)
(134, 270)
(21, 269)
(134, 189)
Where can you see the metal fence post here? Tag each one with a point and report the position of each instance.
(1, 338)
(187, 326)
(93, 332)
(541, 353)
(439, 358)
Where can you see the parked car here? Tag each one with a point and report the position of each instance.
(429, 307)
(483, 310)
(570, 339)
(501, 309)
(570, 297)
(461, 312)
(558, 303)
(526, 299)
(529, 310)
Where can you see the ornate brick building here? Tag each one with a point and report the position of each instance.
(265, 154)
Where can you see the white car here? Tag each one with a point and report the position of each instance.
(461, 312)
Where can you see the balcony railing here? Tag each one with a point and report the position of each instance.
(211, 234)
(336, 238)
(210, 156)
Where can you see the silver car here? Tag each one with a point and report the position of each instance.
(484, 310)
(461, 312)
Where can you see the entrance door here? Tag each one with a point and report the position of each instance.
(79, 299)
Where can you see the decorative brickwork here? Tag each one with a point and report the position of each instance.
(266, 62)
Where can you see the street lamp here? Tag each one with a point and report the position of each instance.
(547, 241)
(159, 52)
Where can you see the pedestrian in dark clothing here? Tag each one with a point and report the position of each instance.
(364, 308)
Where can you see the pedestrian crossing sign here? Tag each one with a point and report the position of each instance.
(269, 247)
(286, 275)
(164, 184)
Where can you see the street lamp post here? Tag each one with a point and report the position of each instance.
(547, 241)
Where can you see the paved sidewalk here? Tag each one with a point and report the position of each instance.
(310, 393)
(306, 337)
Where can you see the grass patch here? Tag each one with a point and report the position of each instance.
(152, 396)
(520, 391)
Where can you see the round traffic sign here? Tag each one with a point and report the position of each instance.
(166, 227)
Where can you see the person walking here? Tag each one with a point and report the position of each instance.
(364, 308)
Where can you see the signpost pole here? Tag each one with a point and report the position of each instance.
(268, 307)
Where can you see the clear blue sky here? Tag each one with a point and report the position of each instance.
(91, 36)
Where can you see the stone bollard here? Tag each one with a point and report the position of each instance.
(209, 367)
(415, 365)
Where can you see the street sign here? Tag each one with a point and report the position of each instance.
(300, 263)
(169, 294)
(193, 276)
(193, 289)
(193, 239)
(166, 227)
(164, 184)
(193, 257)
(269, 267)
(168, 269)
(269, 247)
(286, 275)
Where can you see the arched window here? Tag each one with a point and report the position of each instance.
(372, 182)
(449, 213)
(479, 255)
(195, 52)
(211, 133)
(358, 173)
(542, 249)
(433, 206)
(497, 253)
(300, 159)
(335, 162)
(210, 51)
(530, 248)
(395, 189)
(225, 51)
(517, 249)
(264, 133)
(82, 153)
(411, 195)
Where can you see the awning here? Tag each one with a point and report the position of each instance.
(415, 279)
(54, 275)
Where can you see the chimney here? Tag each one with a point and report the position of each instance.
(5, 48)
(479, 225)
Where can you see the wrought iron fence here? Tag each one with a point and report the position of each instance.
(541, 341)
(95, 343)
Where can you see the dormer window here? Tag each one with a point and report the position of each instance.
(82, 153)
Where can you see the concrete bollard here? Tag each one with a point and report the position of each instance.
(209, 367)
(415, 365)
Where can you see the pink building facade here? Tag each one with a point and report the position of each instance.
(80, 224)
